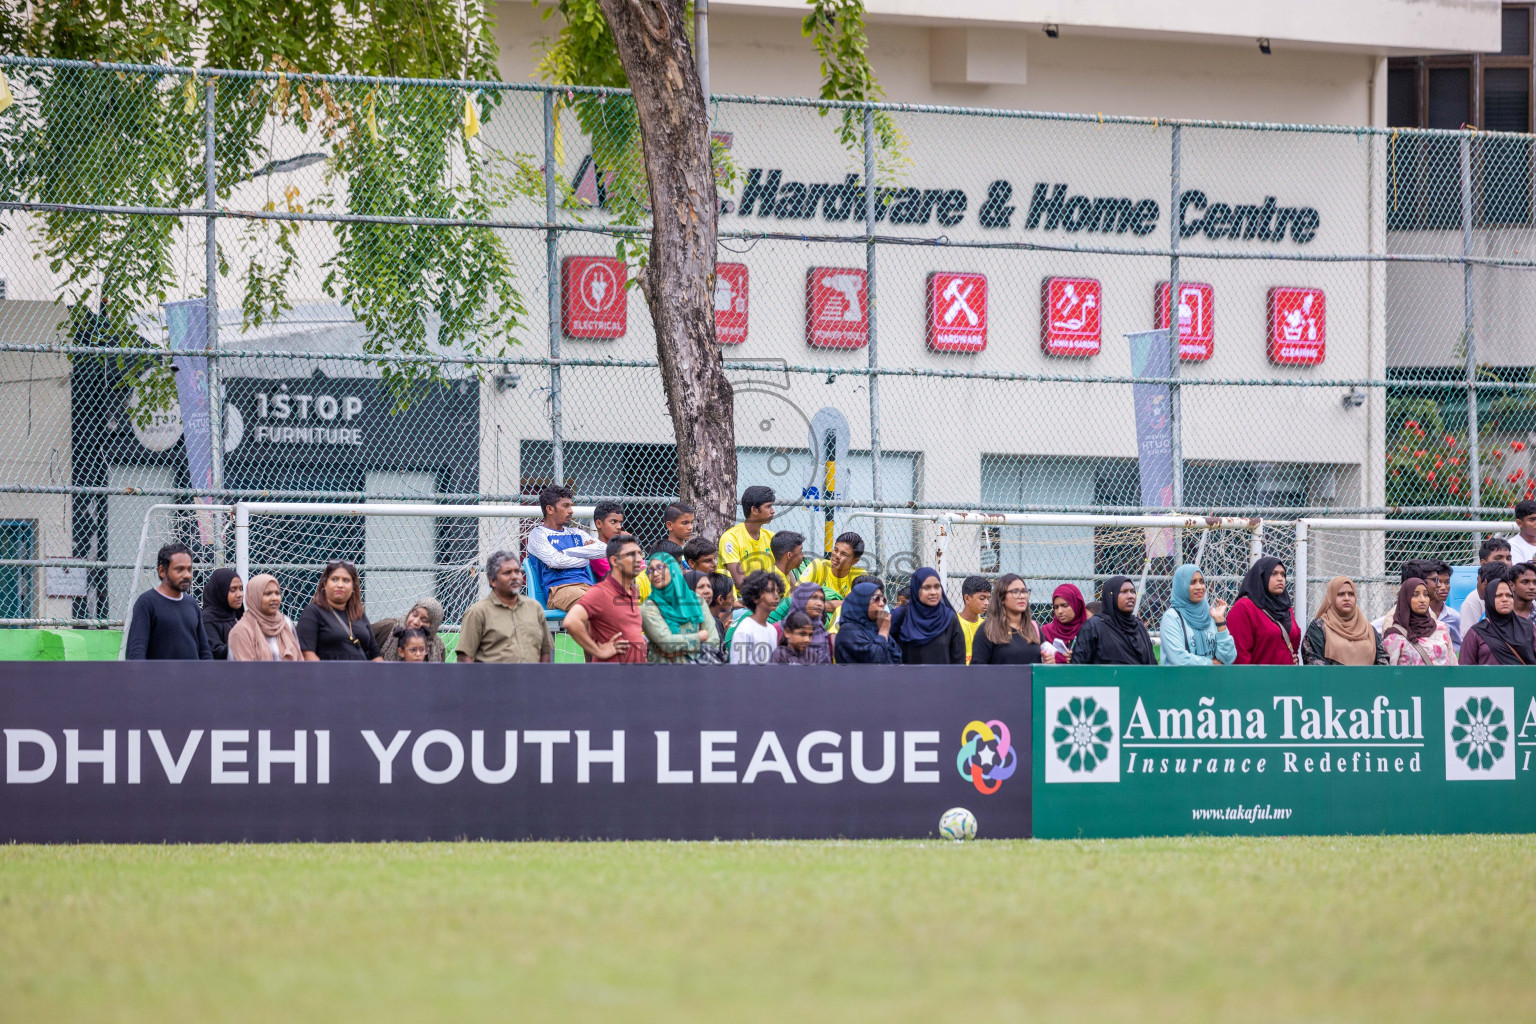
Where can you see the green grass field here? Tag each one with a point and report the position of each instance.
(1432, 928)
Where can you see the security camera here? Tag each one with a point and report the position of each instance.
(1354, 398)
(1264, 47)
(1053, 31)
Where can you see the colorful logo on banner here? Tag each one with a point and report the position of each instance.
(1081, 729)
(986, 756)
(1478, 744)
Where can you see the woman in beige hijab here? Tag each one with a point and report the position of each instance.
(1341, 634)
(264, 632)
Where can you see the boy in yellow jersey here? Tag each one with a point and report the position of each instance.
(748, 546)
(788, 550)
(975, 592)
(839, 569)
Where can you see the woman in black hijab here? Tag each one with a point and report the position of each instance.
(1115, 636)
(1261, 621)
(223, 604)
(1501, 637)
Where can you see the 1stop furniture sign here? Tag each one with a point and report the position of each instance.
(595, 302)
(1298, 325)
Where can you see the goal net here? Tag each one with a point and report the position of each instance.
(1048, 550)
(404, 552)
(1373, 552)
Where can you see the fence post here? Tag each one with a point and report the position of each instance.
(242, 540)
(1301, 568)
(552, 284)
(1474, 466)
(211, 255)
(1175, 398)
(874, 346)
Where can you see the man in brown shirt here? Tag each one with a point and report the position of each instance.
(504, 626)
(606, 620)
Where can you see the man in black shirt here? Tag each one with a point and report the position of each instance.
(167, 624)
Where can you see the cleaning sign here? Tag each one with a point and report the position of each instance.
(1297, 326)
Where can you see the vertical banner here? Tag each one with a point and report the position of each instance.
(1281, 750)
(187, 324)
(1150, 353)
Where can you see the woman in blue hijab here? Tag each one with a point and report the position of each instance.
(1194, 629)
(864, 630)
(927, 627)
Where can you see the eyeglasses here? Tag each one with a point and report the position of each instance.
(1016, 592)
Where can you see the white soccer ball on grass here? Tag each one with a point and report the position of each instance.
(958, 824)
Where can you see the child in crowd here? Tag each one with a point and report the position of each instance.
(752, 640)
(788, 550)
(839, 569)
(412, 645)
(748, 546)
(607, 523)
(701, 555)
(1494, 549)
(800, 647)
(975, 593)
(679, 519)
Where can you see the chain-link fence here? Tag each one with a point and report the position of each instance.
(424, 291)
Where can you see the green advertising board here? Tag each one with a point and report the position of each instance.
(1269, 750)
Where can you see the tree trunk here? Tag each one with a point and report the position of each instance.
(680, 278)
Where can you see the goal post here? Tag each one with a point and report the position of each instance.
(1372, 552)
(203, 528)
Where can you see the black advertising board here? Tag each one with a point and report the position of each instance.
(214, 753)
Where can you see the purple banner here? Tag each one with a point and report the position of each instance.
(1154, 428)
(187, 323)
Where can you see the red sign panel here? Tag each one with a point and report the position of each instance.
(1070, 309)
(836, 308)
(1197, 319)
(1297, 326)
(957, 312)
(730, 303)
(594, 300)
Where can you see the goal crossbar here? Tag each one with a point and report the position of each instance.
(943, 521)
(1305, 528)
(244, 510)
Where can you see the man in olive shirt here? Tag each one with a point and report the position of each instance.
(505, 627)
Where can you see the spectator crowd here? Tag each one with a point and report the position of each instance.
(752, 597)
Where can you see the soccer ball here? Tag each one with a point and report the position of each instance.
(958, 824)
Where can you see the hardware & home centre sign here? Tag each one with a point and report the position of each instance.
(1283, 751)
